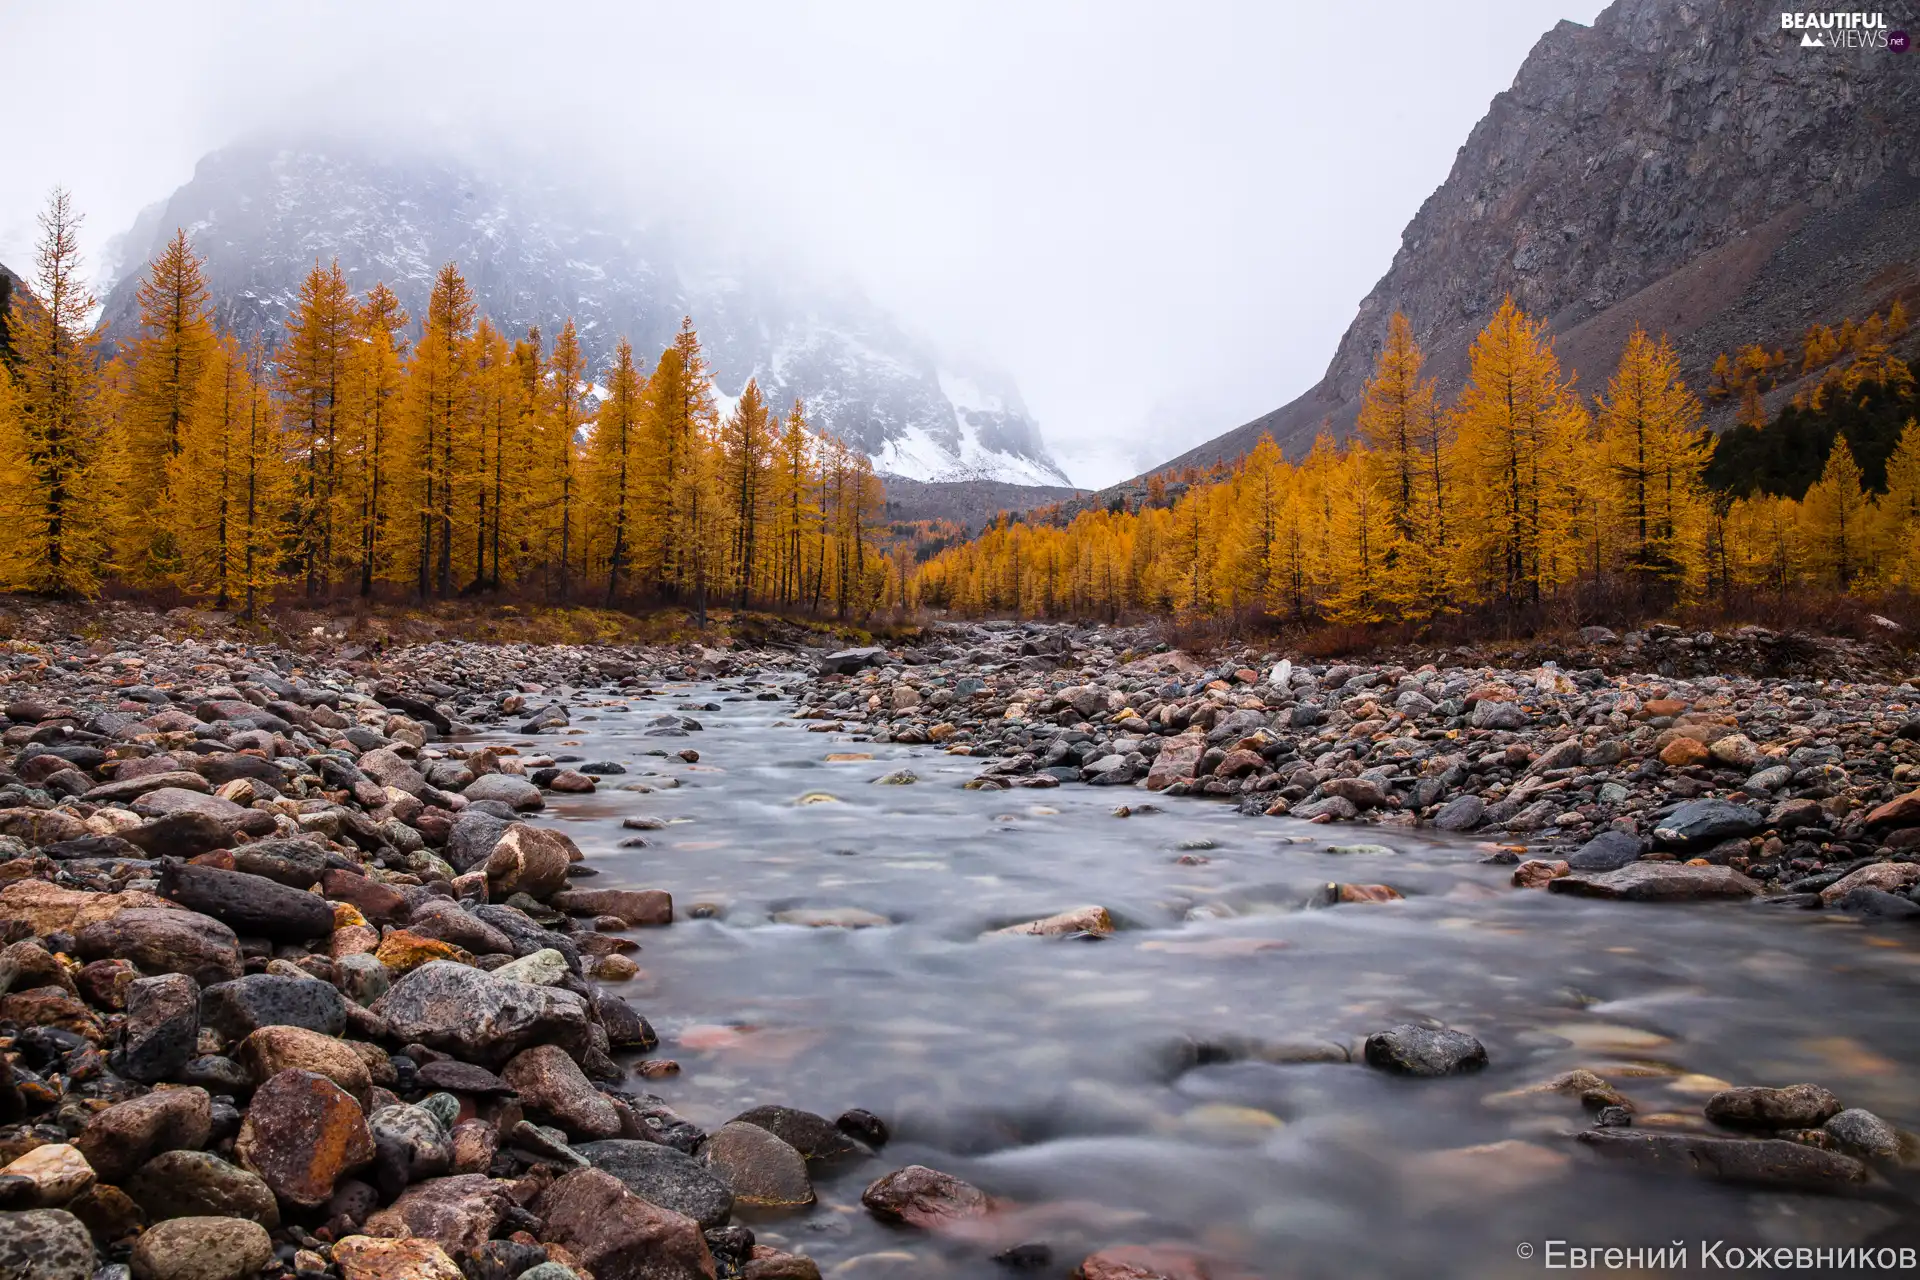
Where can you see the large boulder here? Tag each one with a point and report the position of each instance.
(663, 1176)
(202, 1249)
(1706, 822)
(551, 1083)
(927, 1198)
(764, 1172)
(1178, 759)
(619, 1236)
(126, 1135)
(635, 906)
(1657, 882)
(507, 788)
(165, 940)
(45, 1244)
(1409, 1050)
(529, 860)
(1770, 1162)
(249, 904)
(236, 1009)
(459, 1213)
(199, 1184)
(302, 1134)
(475, 1016)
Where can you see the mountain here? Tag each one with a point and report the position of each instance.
(536, 251)
(1681, 164)
(972, 503)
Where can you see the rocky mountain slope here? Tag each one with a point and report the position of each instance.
(969, 502)
(1683, 165)
(537, 252)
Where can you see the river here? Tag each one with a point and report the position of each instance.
(1173, 1082)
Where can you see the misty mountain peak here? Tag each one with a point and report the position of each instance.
(262, 213)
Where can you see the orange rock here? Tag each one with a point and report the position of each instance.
(1365, 893)
(1534, 873)
(1682, 753)
(1143, 1262)
(1662, 707)
(302, 1134)
(402, 951)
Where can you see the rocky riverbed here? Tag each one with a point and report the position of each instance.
(301, 978)
(1610, 781)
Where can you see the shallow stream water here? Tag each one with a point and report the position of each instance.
(1162, 1085)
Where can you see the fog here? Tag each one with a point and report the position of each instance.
(1158, 218)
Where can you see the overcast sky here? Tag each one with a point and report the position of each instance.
(1158, 217)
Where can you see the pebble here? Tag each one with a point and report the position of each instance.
(202, 1249)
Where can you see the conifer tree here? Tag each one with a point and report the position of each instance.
(50, 438)
(165, 364)
(557, 472)
(233, 463)
(313, 365)
(1652, 457)
(440, 387)
(1403, 435)
(615, 465)
(371, 425)
(1837, 518)
(746, 439)
(1517, 421)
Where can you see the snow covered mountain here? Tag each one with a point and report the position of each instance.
(536, 252)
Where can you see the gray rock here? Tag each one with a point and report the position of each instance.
(1864, 1135)
(816, 1138)
(161, 1029)
(1408, 1050)
(763, 1171)
(663, 1176)
(472, 837)
(1703, 822)
(410, 1143)
(45, 1244)
(1497, 715)
(1769, 1162)
(1462, 813)
(507, 789)
(199, 1184)
(1608, 851)
(248, 904)
(1657, 882)
(477, 1017)
(239, 1007)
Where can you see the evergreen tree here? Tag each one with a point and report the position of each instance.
(165, 365)
(1653, 455)
(50, 437)
(313, 366)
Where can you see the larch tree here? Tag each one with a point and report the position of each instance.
(371, 425)
(313, 370)
(557, 466)
(165, 364)
(1838, 519)
(615, 465)
(440, 383)
(50, 437)
(1652, 457)
(233, 461)
(747, 441)
(1517, 421)
(1403, 467)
